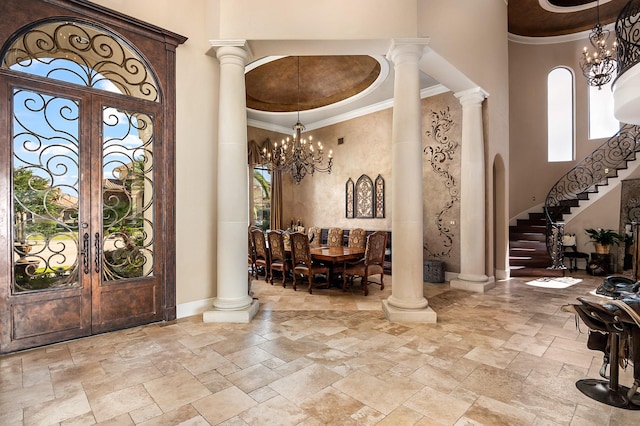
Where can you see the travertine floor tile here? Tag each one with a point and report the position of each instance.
(171, 392)
(509, 356)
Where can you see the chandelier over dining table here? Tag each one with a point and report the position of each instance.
(297, 155)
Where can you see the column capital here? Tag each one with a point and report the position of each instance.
(401, 47)
(238, 48)
(472, 96)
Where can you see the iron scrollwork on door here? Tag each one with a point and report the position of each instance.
(45, 191)
(127, 246)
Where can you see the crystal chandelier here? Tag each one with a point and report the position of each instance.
(599, 66)
(298, 157)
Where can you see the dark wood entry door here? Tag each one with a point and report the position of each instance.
(84, 249)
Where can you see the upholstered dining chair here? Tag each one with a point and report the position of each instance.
(371, 264)
(357, 238)
(315, 236)
(261, 252)
(278, 255)
(335, 237)
(301, 263)
(251, 255)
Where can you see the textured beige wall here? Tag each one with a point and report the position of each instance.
(320, 200)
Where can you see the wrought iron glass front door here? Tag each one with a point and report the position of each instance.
(87, 164)
(83, 215)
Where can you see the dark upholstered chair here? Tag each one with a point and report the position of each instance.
(301, 260)
(357, 238)
(262, 254)
(315, 236)
(372, 264)
(335, 237)
(278, 255)
(251, 256)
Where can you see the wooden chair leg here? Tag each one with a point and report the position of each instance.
(310, 283)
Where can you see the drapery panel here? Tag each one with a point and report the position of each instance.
(254, 157)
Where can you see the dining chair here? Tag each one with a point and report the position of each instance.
(335, 237)
(357, 238)
(315, 236)
(251, 255)
(301, 262)
(262, 254)
(278, 255)
(371, 264)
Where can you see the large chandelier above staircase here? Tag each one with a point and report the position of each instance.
(599, 65)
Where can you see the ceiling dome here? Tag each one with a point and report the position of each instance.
(322, 80)
(543, 18)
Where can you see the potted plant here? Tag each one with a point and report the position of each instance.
(603, 238)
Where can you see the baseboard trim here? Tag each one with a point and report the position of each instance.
(197, 307)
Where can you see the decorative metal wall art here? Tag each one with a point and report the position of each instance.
(379, 197)
(349, 199)
(438, 155)
(365, 199)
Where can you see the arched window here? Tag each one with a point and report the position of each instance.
(560, 115)
(79, 53)
(602, 122)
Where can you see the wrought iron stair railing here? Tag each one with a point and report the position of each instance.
(628, 35)
(585, 178)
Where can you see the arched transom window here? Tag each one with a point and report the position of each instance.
(83, 54)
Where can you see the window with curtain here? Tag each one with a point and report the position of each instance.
(560, 115)
(261, 193)
(602, 122)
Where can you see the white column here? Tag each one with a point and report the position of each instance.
(233, 303)
(472, 196)
(407, 301)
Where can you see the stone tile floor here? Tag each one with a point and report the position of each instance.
(506, 357)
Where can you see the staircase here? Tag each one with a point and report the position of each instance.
(529, 246)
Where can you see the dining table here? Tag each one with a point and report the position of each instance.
(334, 256)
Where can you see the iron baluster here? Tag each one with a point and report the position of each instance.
(593, 171)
